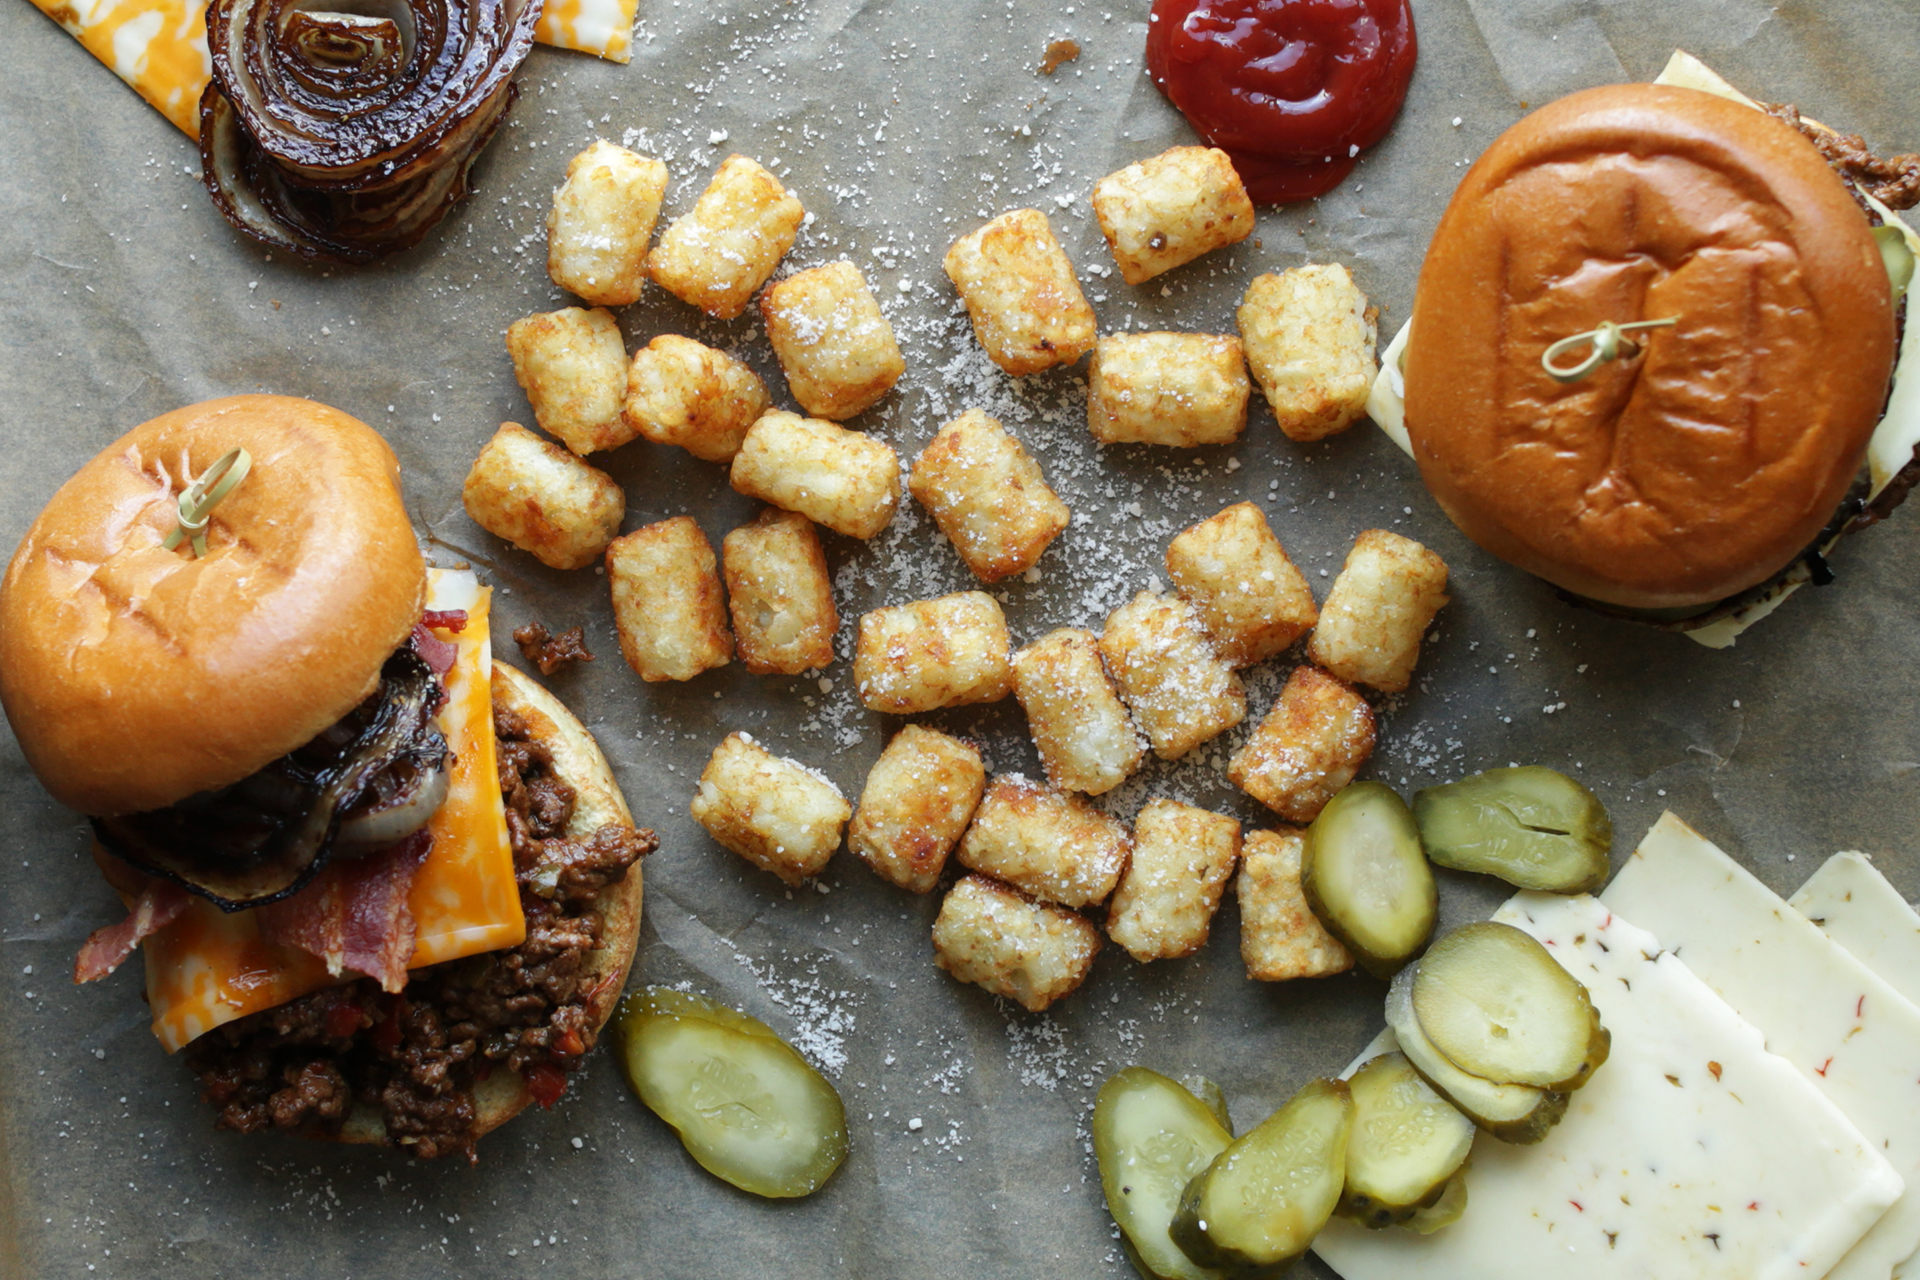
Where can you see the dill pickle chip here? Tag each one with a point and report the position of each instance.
(1531, 826)
(1510, 1112)
(1211, 1096)
(746, 1105)
(1152, 1136)
(1498, 1005)
(1261, 1202)
(1407, 1143)
(1445, 1211)
(1367, 879)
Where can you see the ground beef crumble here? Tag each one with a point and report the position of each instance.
(1894, 182)
(416, 1056)
(550, 652)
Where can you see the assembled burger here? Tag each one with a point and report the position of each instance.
(1652, 346)
(387, 890)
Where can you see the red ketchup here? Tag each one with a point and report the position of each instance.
(1292, 90)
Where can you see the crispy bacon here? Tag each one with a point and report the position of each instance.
(355, 914)
(159, 905)
(454, 620)
(434, 651)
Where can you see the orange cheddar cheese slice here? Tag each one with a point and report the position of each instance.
(159, 47)
(600, 27)
(209, 966)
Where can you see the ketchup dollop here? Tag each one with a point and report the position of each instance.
(1292, 90)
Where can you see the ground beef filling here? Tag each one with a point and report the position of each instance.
(550, 652)
(1894, 182)
(416, 1056)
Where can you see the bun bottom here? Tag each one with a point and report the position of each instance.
(578, 761)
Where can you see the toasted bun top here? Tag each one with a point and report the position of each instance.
(136, 676)
(1702, 466)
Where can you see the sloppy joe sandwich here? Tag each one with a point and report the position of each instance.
(1651, 350)
(387, 890)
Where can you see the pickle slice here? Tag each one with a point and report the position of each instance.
(1152, 1137)
(1261, 1202)
(1499, 1006)
(746, 1105)
(1211, 1096)
(1367, 879)
(1445, 1211)
(1511, 1112)
(1407, 1142)
(1531, 826)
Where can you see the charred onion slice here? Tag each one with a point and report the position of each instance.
(343, 137)
(268, 834)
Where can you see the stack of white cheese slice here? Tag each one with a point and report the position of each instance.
(1759, 1115)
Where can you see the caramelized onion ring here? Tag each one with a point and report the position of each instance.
(343, 137)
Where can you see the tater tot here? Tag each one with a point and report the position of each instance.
(1280, 937)
(1049, 843)
(1310, 338)
(987, 495)
(775, 812)
(543, 499)
(1379, 608)
(1251, 598)
(1181, 693)
(573, 365)
(780, 594)
(845, 480)
(1182, 857)
(1317, 737)
(601, 221)
(836, 348)
(716, 256)
(682, 393)
(1002, 940)
(1027, 308)
(1179, 389)
(919, 797)
(666, 601)
(1080, 727)
(1170, 209)
(928, 654)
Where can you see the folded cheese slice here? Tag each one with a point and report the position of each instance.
(1854, 1037)
(210, 967)
(1693, 1151)
(159, 47)
(1853, 904)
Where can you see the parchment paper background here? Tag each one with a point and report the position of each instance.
(900, 125)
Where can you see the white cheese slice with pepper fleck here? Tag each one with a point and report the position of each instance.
(1693, 1152)
(1854, 1037)
(1853, 904)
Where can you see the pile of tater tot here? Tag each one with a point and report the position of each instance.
(1161, 675)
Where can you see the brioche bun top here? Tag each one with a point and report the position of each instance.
(135, 676)
(1703, 465)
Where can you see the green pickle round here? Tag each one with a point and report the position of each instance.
(1258, 1206)
(1152, 1136)
(1366, 877)
(746, 1105)
(1531, 826)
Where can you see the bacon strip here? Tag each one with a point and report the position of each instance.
(454, 620)
(159, 905)
(435, 652)
(355, 914)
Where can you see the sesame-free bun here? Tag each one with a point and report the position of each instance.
(1705, 464)
(135, 676)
